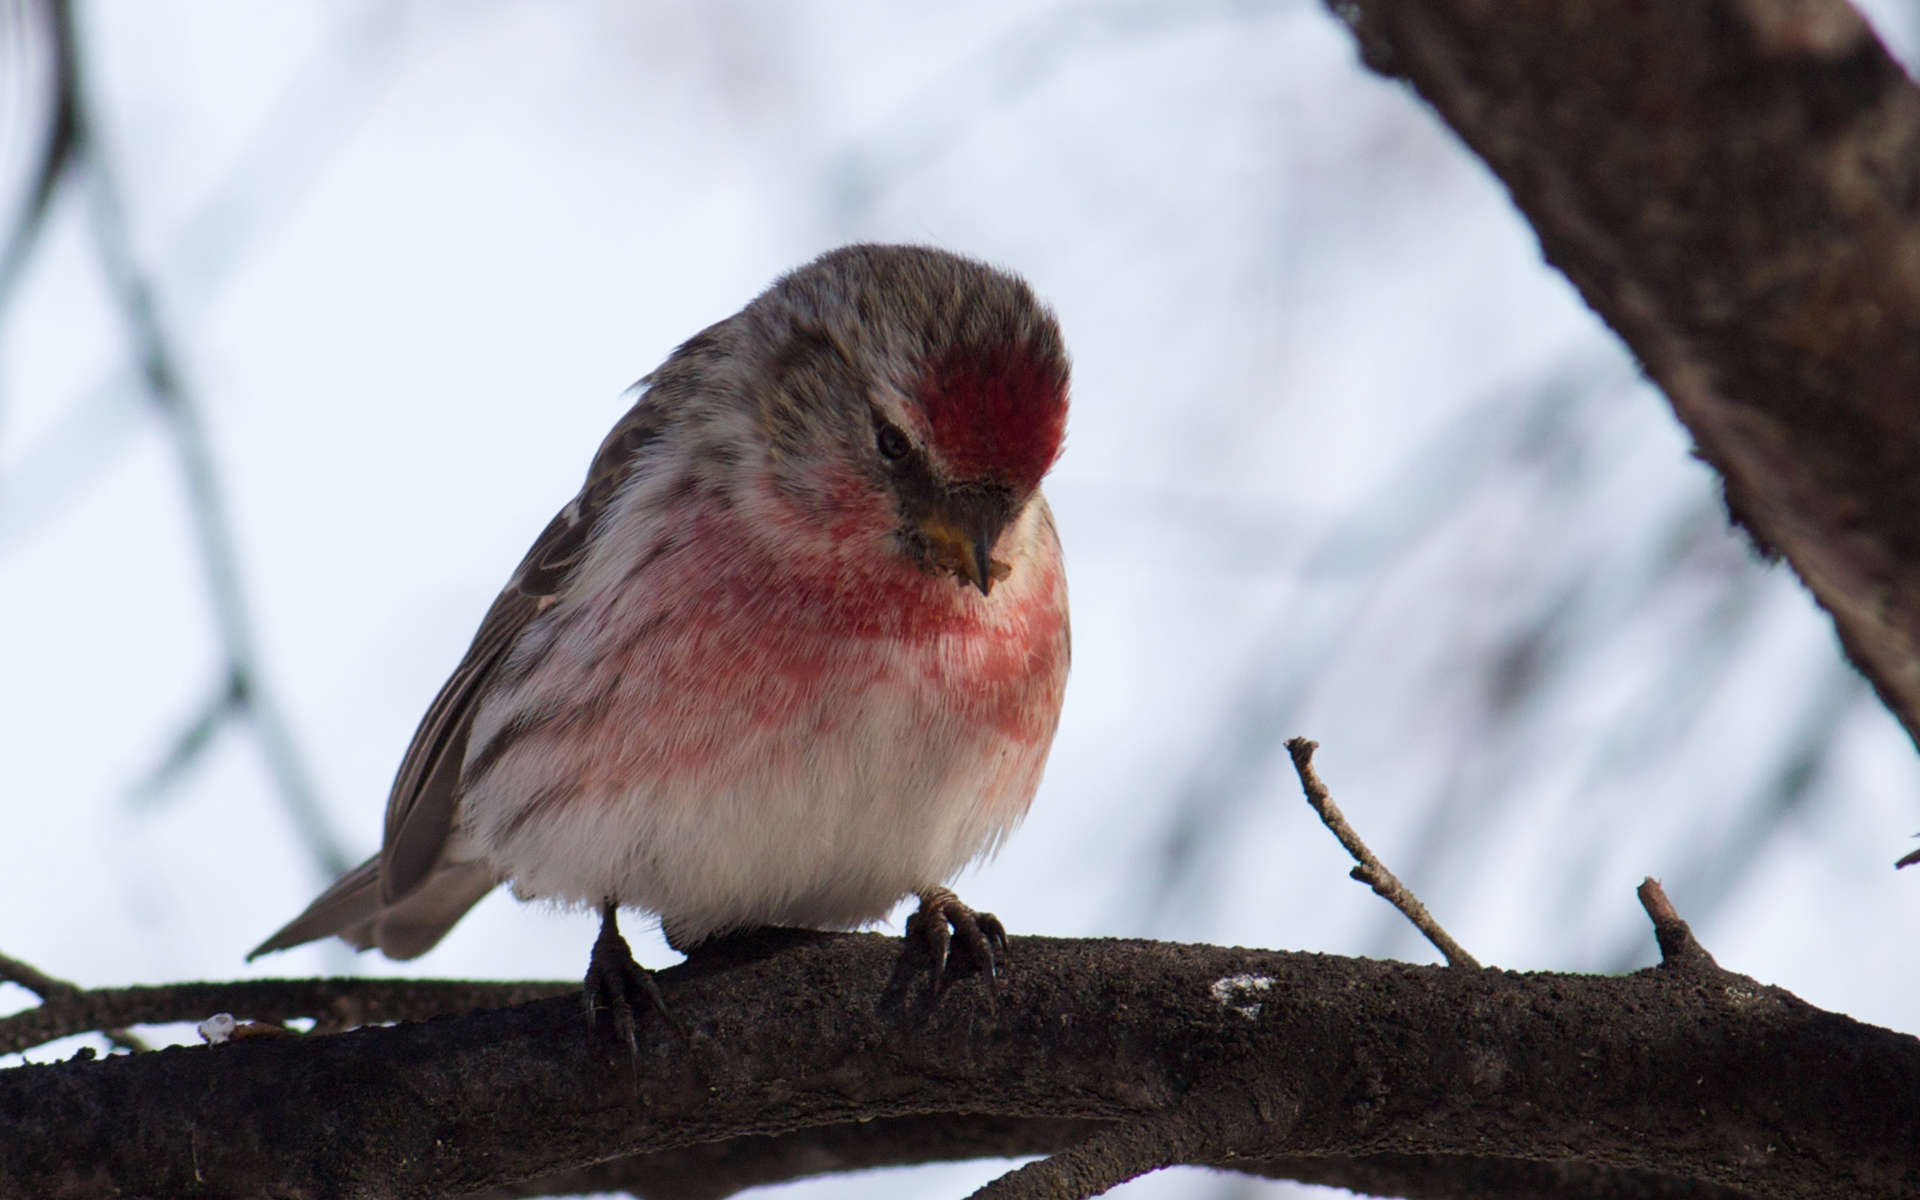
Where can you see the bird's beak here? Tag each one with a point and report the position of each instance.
(968, 554)
(980, 564)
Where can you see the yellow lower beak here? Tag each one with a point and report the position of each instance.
(969, 557)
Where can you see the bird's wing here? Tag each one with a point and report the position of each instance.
(353, 900)
(420, 809)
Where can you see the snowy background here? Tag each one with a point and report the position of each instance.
(1345, 460)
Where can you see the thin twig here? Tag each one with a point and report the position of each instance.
(52, 990)
(1371, 870)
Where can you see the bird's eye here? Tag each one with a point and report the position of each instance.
(893, 444)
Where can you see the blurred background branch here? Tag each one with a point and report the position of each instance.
(33, 23)
(241, 695)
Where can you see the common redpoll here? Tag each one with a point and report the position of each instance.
(795, 651)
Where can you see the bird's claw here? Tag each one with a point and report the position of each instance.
(614, 988)
(942, 919)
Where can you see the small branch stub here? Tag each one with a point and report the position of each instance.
(1678, 949)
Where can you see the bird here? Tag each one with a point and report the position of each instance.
(796, 651)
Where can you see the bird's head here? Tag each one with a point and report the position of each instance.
(912, 398)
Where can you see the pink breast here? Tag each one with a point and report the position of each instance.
(726, 660)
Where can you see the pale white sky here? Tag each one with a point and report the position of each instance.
(1346, 459)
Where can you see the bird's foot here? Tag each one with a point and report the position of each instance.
(615, 986)
(942, 919)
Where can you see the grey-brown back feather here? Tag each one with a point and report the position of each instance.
(416, 924)
(353, 900)
(353, 910)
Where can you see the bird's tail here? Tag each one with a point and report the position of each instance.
(406, 928)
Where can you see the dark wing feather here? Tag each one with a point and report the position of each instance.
(420, 808)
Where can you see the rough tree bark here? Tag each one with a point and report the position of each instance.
(1181, 1053)
(1734, 185)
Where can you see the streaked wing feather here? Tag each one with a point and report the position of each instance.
(420, 808)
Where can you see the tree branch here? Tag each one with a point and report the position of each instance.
(334, 1003)
(54, 993)
(1711, 1078)
(718, 1169)
(1734, 185)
